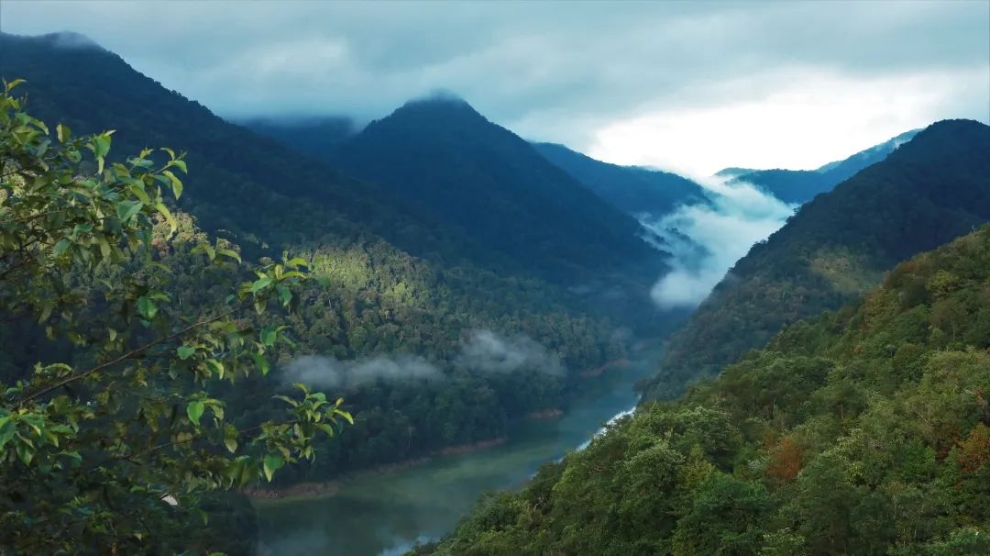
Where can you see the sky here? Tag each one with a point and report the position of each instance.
(691, 87)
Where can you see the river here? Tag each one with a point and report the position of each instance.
(384, 515)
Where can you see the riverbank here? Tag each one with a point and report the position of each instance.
(330, 488)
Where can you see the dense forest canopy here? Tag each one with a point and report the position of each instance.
(837, 246)
(864, 431)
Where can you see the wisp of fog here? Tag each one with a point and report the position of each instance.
(483, 352)
(706, 240)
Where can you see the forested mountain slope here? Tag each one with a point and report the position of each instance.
(800, 186)
(388, 283)
(928, 191)
(632, 189)
(865, 431)
(313, 136)
(441, 155)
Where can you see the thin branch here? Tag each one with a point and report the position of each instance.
(128, 355)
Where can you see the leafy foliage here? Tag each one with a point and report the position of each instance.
(927, 192)
(857, 432)
(97, 448)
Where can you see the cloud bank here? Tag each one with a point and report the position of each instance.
(707, 240)
(488, 352)
(328, 372)
(484, 352)
(654, 83)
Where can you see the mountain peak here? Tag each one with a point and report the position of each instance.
(442, 106)
(70, 40)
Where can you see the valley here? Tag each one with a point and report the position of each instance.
(492, 280)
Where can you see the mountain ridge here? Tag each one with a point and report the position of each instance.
(633, 189)
(444, 157)
(837, 246)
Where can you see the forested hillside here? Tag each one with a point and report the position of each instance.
(800, 186)
(633, 190)
(864, 431)
(313, 136)
(442, 156)
(925, 193)
(388, 283)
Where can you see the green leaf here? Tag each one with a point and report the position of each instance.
(185, 352)
(147, 308)
(127, 209)
(101, 145)
(62, 245)
(268, 337)
(7, 430)
(231, 444)
(181, 165)
(229, 253)
(346, 415)
(284, 294)
(261, 362)
(176, 183)
(260, 284)
(63, 132)
(195, 410)
(271, 464)
(163, 210)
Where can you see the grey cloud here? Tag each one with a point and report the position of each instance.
(483, 352)
(545, 71)
(488, 352)
(328, 372)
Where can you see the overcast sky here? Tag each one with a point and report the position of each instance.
(692, 87)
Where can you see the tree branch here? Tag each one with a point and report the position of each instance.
(125, 356)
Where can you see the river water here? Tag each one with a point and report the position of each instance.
(384, 515)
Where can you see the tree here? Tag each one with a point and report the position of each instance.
(108, 439)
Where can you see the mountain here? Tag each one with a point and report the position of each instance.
(932, 189)
(444, 158)
(632, 189)
(392, 292)
(800, 186)
(313, 136)
(865, 431)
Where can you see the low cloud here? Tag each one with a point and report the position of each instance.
(488, 352)
(707, 240)
(328, 372)
(484, 352)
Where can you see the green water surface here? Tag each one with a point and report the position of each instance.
(384, 515)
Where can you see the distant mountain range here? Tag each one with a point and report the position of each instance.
(800, 186)
(635, 190)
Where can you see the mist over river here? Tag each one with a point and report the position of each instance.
(386, 514)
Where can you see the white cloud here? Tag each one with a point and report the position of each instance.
(710, 239)
(795, 118)
(735, 82)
